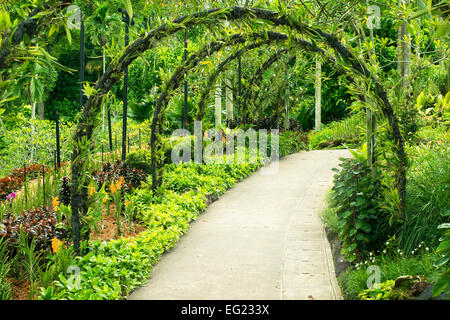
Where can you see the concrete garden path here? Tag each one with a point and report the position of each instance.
(263, 239)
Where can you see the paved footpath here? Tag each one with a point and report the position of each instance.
(263, 239)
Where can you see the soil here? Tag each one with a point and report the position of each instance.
(21, 289)
(107, 228)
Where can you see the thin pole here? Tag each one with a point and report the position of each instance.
(125, 94)
(58, 148)
(109, 128)
(25, 182)
(240, 112)
(43, 182)
(185, 121)
(82, 66)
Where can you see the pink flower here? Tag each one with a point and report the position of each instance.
(10, 197)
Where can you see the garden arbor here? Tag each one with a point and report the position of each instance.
(146, 41)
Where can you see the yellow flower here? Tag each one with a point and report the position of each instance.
(120, 183)
(91, 190)
(55, 203)
(113, 188)
(56, 244)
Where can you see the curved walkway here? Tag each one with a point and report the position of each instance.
(263, 239)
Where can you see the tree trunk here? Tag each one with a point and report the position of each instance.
(286, 106)
(404, 52)
(218, 104)
(41, 110)
(318, 97)
(229, 100)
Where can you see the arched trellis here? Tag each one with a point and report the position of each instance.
(193, 60)
(176, 79)
(147, 41)
(222, 66)
(218, 70)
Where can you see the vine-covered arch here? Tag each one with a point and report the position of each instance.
(148, 40)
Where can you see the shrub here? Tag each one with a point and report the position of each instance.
(360, 221)
(140, 159)
(8, 185)
(112, 172)
(347, 131)
(39, 223)
(291, 142)
(384, 292)
(443, 283)
(15, 181)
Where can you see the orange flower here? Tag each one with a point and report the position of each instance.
(127, 203)
(56, 244)
(91, 190)
(113, 188)
(120, 183)
(55, 203)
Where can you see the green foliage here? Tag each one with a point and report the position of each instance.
(329, 216)
(361, 221)
(347, 131)
(291, 142)
(383, 292)
(33, 142)
(427, 195)
(443, 283)
(140, 159)
(354, 280)
(5, 266)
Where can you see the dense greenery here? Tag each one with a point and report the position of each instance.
(384, 89)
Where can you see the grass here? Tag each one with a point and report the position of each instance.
(428, 194)
(354, 280)
(348, 131)
(328, 215)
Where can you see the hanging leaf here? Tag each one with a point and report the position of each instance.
(128, 7)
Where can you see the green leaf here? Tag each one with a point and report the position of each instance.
(442, 284)
(128, 7)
